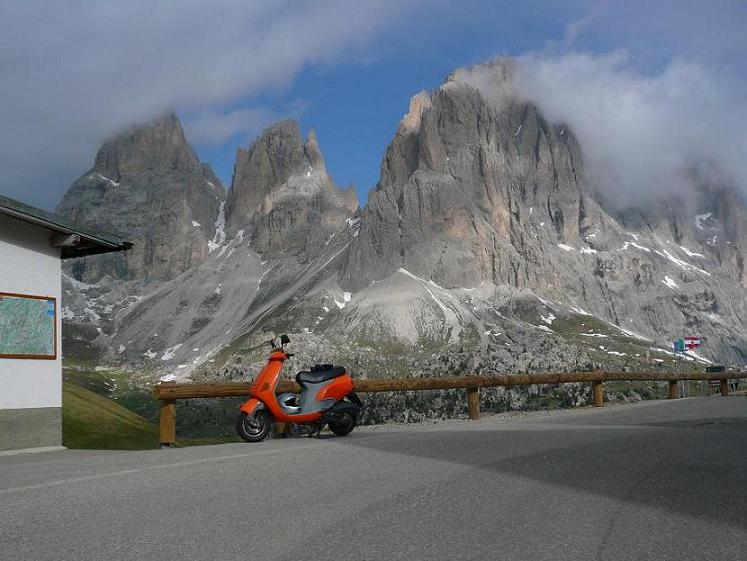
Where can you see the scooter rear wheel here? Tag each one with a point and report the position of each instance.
(344, 425)
(254, 427)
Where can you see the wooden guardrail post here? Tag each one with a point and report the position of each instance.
(724, 387)
(167, 423)
(597, 389)
(473, 403)
(674, 389)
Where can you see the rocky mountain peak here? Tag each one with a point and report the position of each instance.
(410, 123)
(147, 185)
(493, 79)
(157, 146)
(268, 163)
(282, 194)
(478, 189)
(462, 184)
(313, 152)
(500, 70)
(402, 154)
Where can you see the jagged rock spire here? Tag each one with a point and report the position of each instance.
(268, 163)
(282, 194)
(313, 152)
(147, 185)
(158, 145)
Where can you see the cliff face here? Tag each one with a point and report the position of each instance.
(464, 188)
(283, 196)
(148, 186)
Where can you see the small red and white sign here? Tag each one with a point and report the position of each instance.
(692, 343)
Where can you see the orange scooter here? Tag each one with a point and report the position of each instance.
(326, 397)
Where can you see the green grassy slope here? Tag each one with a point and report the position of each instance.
(92, 421)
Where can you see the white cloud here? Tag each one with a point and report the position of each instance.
(76, 72)
(213, 127)
(574, 29)
(640, 132)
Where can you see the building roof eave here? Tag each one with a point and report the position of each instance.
(90, 242)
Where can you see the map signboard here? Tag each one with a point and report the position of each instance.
(28, 326)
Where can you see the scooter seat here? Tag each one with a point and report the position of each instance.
(318, 376)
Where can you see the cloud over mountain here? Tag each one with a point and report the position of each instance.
(641, 133)
(75, 73)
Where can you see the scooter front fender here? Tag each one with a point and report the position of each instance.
(250, 405)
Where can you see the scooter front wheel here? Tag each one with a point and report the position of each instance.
(254, 427)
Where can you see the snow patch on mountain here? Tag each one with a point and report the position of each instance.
(220, 229)
(171, 351)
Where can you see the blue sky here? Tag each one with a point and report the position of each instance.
(354, 110)
(76, 73)
(355, 106)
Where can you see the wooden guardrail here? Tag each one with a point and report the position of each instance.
(168, 392)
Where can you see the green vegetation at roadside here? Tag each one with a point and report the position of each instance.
(92, 421)
(131, 390)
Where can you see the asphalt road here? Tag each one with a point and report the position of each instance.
(655, 480)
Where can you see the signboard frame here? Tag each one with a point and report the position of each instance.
(52, 299)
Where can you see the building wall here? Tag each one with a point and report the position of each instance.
(30, 390)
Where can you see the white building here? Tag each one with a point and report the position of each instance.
(32, 244)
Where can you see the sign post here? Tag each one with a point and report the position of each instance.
(684, 345)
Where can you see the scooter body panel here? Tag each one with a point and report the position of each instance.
(336, 390)
(322, 396)
(250, 406)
